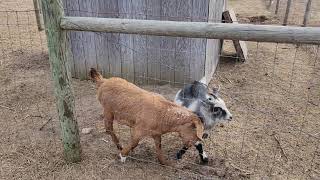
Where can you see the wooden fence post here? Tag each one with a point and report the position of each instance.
(277, 7)
(285, 21)
(307, 13)
(270, 4)
(58, 54)
(38, 13)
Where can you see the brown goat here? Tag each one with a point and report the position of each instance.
(147, 113)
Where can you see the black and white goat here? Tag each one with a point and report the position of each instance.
(209, 107)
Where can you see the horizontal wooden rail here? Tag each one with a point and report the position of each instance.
(245, 32)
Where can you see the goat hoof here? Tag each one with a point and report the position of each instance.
(179, 155)
(119, 147)
(204, 158)
(205, 161)
(205, 136)
(122, 158)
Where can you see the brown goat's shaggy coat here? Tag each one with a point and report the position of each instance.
(147, 113)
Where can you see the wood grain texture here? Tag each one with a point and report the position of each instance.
(245, 32)
(198, 46)
(72, 9)
(240, 46)
(101, 42)
(143, 58)
(114, 48)
(70, 58)
(216, 7)
(126, 41)
(210, 47)
(77, 44)
(140, 44)
(183, 45)
(168, 44)
(58, 49)
(89, 59)
(153, 44)
(81, 52)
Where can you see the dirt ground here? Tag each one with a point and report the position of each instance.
(274, 97)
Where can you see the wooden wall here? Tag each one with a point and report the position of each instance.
(216, 8)
(143, 58)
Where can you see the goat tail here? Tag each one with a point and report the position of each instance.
(199, 127)
(95, 76)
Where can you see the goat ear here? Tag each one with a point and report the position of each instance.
(199, 127)
(215, 90)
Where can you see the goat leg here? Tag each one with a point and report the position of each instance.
(135, 138)
(114, 138)
(161, 158)
(108, 123)
(181, 152)
(202, 153)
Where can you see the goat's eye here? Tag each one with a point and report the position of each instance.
(216, 109)
(210, 99)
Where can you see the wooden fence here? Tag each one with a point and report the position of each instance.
(135, 56)
(301, 9)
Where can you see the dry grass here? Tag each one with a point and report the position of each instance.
(274, 96)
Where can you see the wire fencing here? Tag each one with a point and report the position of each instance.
(296, 11)
(274, 97)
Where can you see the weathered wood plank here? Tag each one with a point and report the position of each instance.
(168, 44)
(145, 51)
(212, 49)
(198, 46)
(74, 40)
(183, 45)
(69, 41)
(101, 43)
(216, 8)
(214, 46)
(114, 48)
(245, 32)
(81, 58)
(126, 41)
(153, 44)
(140, 54)
(58, 49)
(88, 39)
(240, 46)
